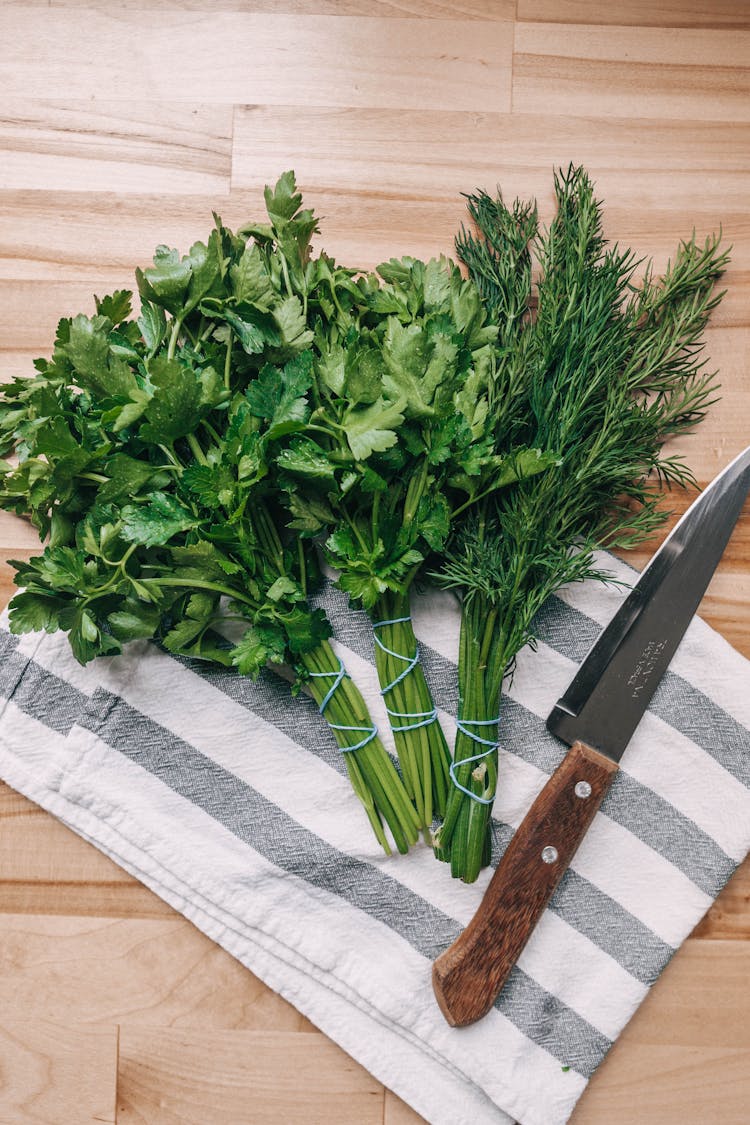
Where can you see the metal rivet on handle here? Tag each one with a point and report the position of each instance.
(549, 854)
(583, 789)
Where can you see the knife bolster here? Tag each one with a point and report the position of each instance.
(468, 977)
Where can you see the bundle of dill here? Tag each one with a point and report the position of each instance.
(598, 370)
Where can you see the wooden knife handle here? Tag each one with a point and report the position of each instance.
(468, 977)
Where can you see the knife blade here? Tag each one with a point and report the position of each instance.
(596, 716)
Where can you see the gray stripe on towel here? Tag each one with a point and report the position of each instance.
(35, 691)
(270, 831)
(632, 805)
(678, 703)
(629, 803)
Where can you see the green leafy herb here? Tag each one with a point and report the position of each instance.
(385, 431)
(596, 374)
(145, 448)
(187, 465)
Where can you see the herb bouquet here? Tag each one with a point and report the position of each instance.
(400, 424)
(188, 465)
(143, 452)
(184, 463)
(597, 371)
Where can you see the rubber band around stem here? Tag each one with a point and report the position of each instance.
(489, 743)
(424, 717)
(338, 677)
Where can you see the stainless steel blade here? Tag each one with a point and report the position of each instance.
(615, 683)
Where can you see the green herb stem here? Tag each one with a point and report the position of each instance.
(196, 449)
(422, 750)
(373, 776)
(197, 584)
(212, 433)
(172, 347)
(228, 361)
(268, 536)
(465, 835)
(285, 271)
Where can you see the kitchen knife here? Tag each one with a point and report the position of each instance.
(596, 716)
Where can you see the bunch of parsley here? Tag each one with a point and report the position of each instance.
(597, 370)
(388, 406)
(143, 451)
(400, 428)
(395, 363)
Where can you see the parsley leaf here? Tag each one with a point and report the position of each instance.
(259, 645)
(290, 319)
(88, 350)
(251, 280)
(116, 307)
(166, 282)
(155, 522)
(180, 398)
(372, 428)
(280, 396)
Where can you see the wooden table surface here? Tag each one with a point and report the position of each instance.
(123, 126)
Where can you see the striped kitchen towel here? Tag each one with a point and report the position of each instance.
(230, 800)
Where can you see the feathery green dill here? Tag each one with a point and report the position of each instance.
(596, 369)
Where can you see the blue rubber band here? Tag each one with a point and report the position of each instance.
(424, 717)
(338, 678)
(371, 732)
(411, 661)
(490, 744)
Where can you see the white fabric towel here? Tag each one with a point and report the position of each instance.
(230, 800)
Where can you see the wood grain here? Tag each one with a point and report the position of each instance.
(124, 126)
(666, 1083)
(138, 972)
(191, 1077)
(390, 9)
(51, 870)
(639, 13)
(685, 73)
(123, 146)
(339, 60)
(397, 1112)
(53, 1073)
(469, 975)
